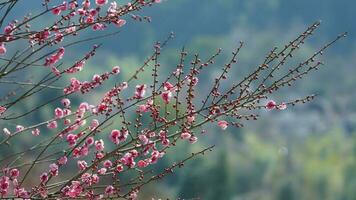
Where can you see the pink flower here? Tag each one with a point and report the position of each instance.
(89, 141)
(84, 106)
(223, 124)
(193, 81)
(86, 4)
(99, 145)
(58, 113)
(143, 139)
(14, 173)
(4, 184)
(2, 110)
(116, 70)
(54, 58)
(101, 2)
(6, 131)
(94, 123)
(98, 26)
(102, 171)
(109, 190)
(63, 160)
(166, 96)
(185, 135)
(21, 193)
(107, 164)
(119, 168)
(271, 105)
(282, 106)
(142, 164)
(44, 177)
(193, 140)
(53, 169)
(52, 125)
(57, 10)
(36, 132)
(120, 22)
(114, 136)
(2, 49)
(82, 165)
(140, 91)
(191, 118)
(71, 139)
(55, 71)
(19, 128)
(168, 86)
(65, 102)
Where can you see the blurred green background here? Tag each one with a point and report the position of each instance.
(305, 152)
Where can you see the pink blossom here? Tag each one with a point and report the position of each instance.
(128, 160)
(99, 155)
(72, 139)
(82, 165)
(75, 85)
(119, 168)
(142, 164)
(4, 184)
(44, 177)
(86, 4)
(6, 131)
(21, 193)
(53, 169)
(2, 49)
(109, 190)
(166, 96)
(185, 135)
(54, 58)
(58, 9)
(168, 86)
(94, 123)
(14, 173)
(98, 26)
(165, 142)
(35, 132)
(143, 108)
(102, 171)
(99, 145)
(84, 106)
(193, 140)
(271, 105)
(55, 71)
(143, 139)
(193, 81)
(140, 91)
(223, 124)
(89, 141)
(65, 102)
(58, 113)
(114, 136)
(2, 110)
(119, 22)
(101, 2)
(63, 160)
(19, 128)
(191, 118)
(107, 164)
(282, 106)
(52, 125)
(116, 70)
(74, 190)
